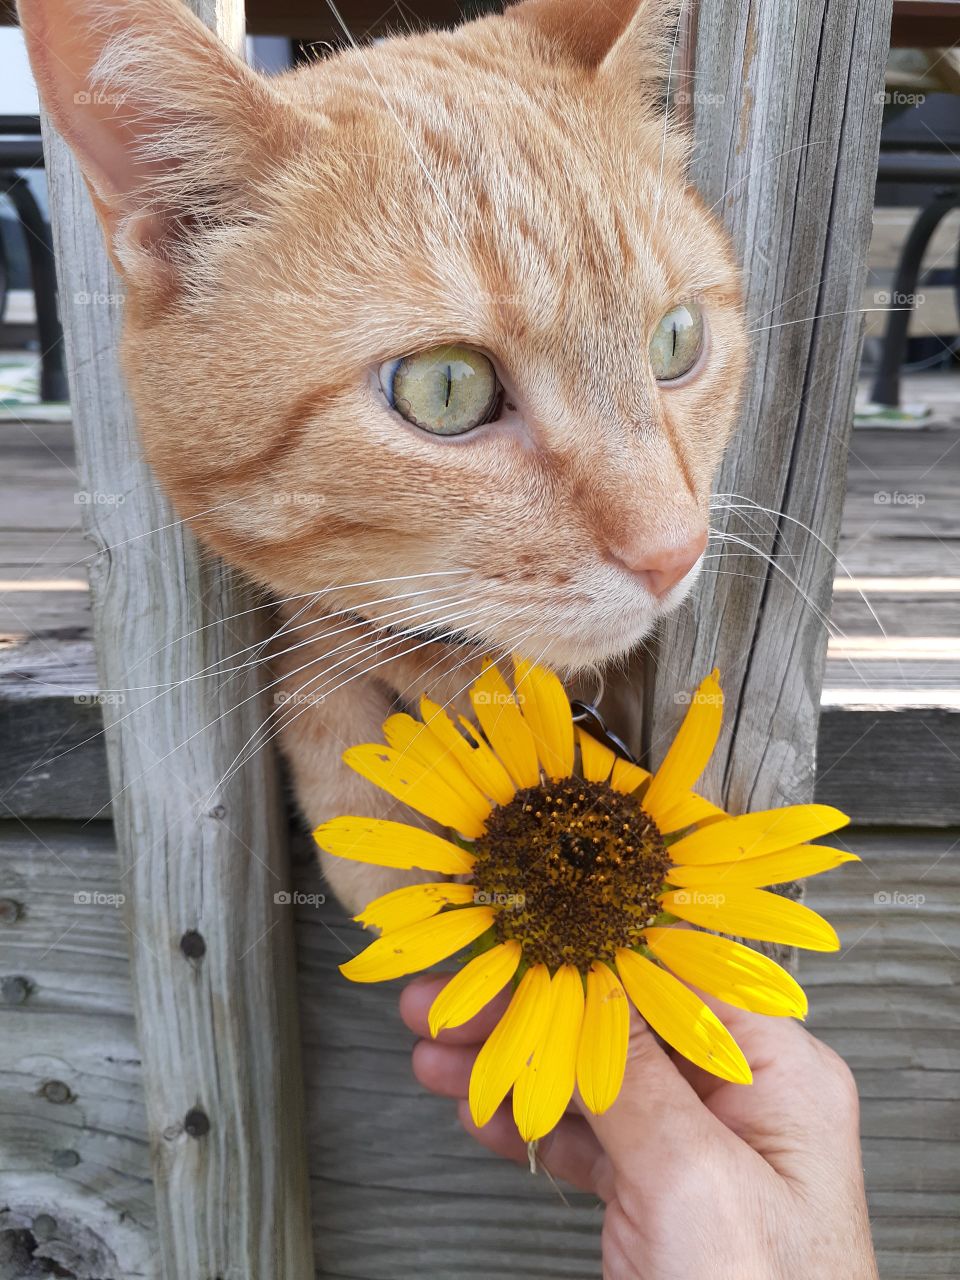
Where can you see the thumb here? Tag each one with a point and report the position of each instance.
(657, 1114)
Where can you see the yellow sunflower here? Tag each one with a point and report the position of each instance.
(580, 876)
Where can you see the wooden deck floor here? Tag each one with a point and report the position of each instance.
(896, 611)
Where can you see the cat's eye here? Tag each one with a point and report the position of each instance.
(677, 342)
(446, 391)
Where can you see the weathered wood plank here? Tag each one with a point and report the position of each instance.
(74, 1154)
(218, 1031)
(787, 128)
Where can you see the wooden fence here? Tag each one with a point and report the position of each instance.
(787, 122)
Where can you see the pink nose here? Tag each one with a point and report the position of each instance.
(661, 570)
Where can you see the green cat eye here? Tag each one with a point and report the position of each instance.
(677, 342)
(446, 391)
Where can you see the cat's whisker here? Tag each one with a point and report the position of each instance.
(781, 515)
(825, 315)
(667, 111)
(311, 695)
(310, 699)
(816, 142)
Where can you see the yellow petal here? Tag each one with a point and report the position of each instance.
(505, 728)
(596, 760)
(545, 1084)
(691, 748)
(408, 780)
(602, 1057)
(474, 987)
(416, 743)
(755, 834)
(510, 1044)
(546, 709)
(413, 902)
(769, 868)
(478, 762)
(392, 844)
(687, 811)
(752, 913)
(728, 970)
(627, 777)
(681, 1018)
(418, 946)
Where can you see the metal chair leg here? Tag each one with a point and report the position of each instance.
(886, 387)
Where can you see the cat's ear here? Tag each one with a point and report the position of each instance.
(168, 127)
(632, 37)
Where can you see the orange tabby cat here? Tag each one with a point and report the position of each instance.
(439, 318)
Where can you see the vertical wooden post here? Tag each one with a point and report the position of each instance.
(211, 945)
(787, 110)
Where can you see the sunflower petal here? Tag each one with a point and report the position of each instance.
(627, 777)
(412, 782)
(505, 728)
(686, 811)
(769, 868)
(602, 1056)
(413, 902)
(754, 834)
(478, 762)
(474, 986)
(545, 1084)
(753, 913)
(546, 709)
(510, 1044)
(681, 1018)
(596, 760)
(691, 748)
(728, 970)
(415, 742)
(418, 946)
(392, 844)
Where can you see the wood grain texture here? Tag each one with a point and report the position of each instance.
(218, 1035)
(75, 1183)
(787, 130)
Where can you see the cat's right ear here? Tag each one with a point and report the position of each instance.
(169, 128)
(631, 41)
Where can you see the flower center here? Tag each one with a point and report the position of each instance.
(576, 870)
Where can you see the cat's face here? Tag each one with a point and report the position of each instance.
(423, 320)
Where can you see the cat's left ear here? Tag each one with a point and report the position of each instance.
(629, 40)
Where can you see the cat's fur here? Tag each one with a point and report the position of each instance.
(510, 185)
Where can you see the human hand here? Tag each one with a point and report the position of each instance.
(702, 1179)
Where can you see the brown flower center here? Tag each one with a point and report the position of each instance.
(575, 870)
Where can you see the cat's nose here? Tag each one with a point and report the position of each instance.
(661, 569)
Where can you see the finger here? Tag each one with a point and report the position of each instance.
(570, 1152)
(417, 997)
(802, 1100)
(444, 1068)
(657, 1115)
